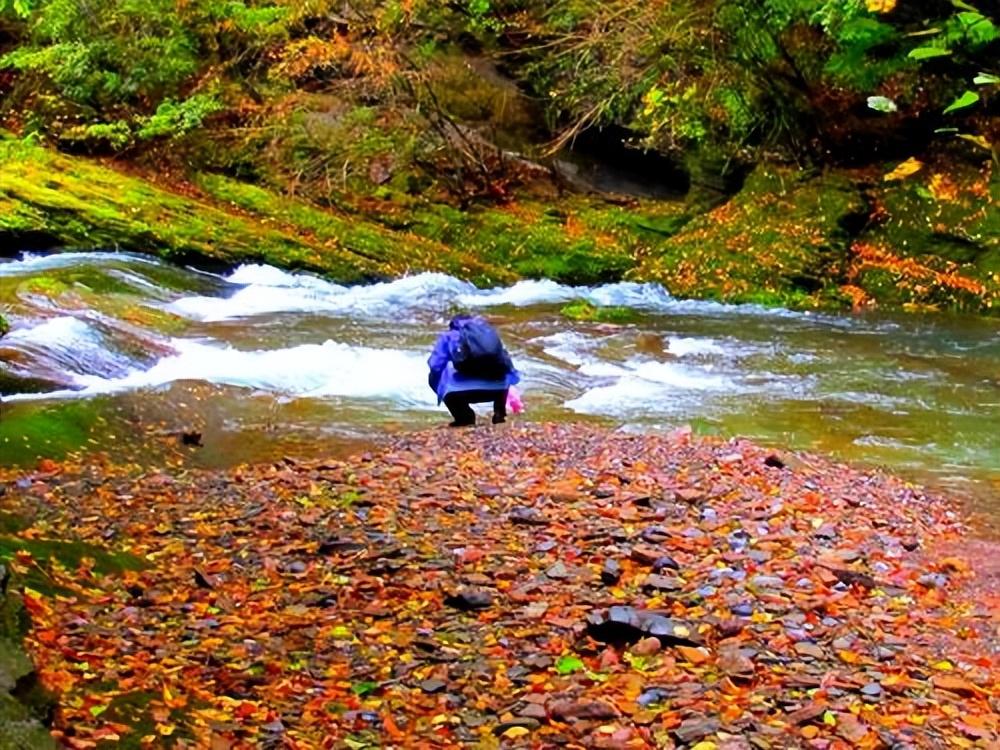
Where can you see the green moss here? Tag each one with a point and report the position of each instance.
(28, 433)
(4, 325)
(782, 240)
(396, 252)
(66, 554)
(86, 205)
(584, 311)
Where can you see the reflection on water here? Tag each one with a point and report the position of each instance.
(266, 363)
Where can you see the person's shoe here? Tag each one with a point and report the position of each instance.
(499, 420)
(462, 424)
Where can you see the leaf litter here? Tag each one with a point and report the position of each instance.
(538, 586)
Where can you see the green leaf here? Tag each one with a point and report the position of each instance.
(961, 5)
(364, 688)
(882, 104)
(986, 79)
(924, 53)
(568, 664)
(965, 100)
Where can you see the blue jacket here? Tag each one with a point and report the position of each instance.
(444, 379)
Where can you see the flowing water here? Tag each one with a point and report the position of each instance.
(122, 353)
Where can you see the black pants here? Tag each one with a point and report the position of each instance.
(458, 404)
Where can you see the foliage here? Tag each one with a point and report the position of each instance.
(478, 566)
(99, 72)
(725, 75)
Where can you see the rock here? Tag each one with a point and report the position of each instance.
(807, 713)
(558, 572)
(826, 531)
(767, 582)
(933, 580)
(805, 648)
(653, 695)
(611, 573)
(664, 562)
(340, 546)
(470, 599)
(621, 625)
(853, 578)
(696, 728)
(774, 462)
(569, 710)
(872, 691)
(647, 646)
(524, 722)
(656, 582)
(850, 728)
(730, 628)
(654, 535)
(533, 711)
(433, 686)
(742, 609)
(527, 516)
(689, 495)
(645, 555)
(735, 663)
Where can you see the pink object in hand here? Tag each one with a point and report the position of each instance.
(514, 403)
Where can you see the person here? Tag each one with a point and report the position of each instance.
(469, 365)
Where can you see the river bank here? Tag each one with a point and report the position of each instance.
(527, 586)
(918, 236)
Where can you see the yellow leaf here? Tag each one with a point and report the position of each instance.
(943, 666)
(514, 732)
(908, 167)
(849, 657)
(166, 729)
(704, 745)
(880, 6)
(681, 631)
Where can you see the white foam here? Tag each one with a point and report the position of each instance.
(568, 346)
(521, 294)
(693, 347)
(643, 386)
(267, 290)
(314, 370)
(54, 332)
(32, 263)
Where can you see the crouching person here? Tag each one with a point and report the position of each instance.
(469, 365)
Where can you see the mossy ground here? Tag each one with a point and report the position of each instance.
(25, 707)
(788, 238)
(79, 203)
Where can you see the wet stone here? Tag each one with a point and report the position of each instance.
(559, 571)
(656, 582)
(872, 691)
(533, 711)
(812, 650)
(645, 555)
(696, 728)
(567, 710)
(767, 582)
(665, 562)
(611, 572)
(527, 516)
(469, 599)
(524, 722)
(433, 686)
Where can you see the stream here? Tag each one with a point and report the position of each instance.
(123, 353)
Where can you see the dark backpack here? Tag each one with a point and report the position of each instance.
(479, 352)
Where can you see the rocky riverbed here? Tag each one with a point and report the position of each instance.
(530, 586)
